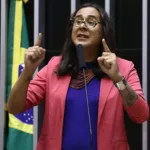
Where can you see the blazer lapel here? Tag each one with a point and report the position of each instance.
(105, 87)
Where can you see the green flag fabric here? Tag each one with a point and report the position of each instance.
(20, 126)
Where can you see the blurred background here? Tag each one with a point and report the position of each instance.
(50, 17)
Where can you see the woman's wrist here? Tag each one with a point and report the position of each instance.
(117, 77)
(27, 75)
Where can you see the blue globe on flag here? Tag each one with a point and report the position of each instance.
(27, 116)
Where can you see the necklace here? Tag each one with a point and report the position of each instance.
(78, 81)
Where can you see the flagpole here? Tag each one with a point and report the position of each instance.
(144, 67)
(35, 110)
(2, 68)
(73, 5)
(107, 6)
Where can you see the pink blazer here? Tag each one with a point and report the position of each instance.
(111, 130)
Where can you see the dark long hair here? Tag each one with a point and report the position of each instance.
(69, 62)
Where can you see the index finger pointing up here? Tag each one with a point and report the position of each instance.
(105, 46)
(39, 40)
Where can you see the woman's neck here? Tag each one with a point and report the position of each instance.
(90, 55)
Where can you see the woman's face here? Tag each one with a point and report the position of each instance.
(87, 35)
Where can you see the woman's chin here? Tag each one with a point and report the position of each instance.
(84, 44)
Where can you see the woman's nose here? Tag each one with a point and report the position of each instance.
(83, 25)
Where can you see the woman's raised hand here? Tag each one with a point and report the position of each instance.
(108, 63)
(34, 56)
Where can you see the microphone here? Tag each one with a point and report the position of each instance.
(80, 56)
(82, 65)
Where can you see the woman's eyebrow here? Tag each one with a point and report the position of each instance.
(91, 16)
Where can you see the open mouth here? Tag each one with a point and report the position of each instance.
(82, 36)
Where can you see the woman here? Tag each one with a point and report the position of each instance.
(112, 83)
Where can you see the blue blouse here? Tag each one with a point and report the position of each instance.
(76, 131)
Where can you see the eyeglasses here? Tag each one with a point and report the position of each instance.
(89, 23)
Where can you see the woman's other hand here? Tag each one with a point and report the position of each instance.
(108, 63)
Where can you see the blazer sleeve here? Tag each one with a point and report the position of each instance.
(36, 89)
(139, 111)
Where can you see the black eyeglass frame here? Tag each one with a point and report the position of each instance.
(83, 21)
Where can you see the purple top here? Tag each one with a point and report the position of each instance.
(76, 131)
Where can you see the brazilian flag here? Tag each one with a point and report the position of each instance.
(20, 126)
